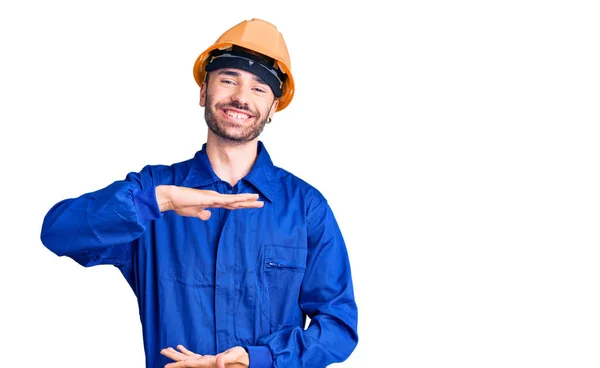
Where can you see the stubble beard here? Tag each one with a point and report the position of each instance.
(229, 131)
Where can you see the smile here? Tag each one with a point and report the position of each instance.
(237, 115)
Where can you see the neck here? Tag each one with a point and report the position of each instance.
(229, 160)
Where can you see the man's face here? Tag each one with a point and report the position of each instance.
(237, 104)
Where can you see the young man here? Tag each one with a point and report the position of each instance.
(226, 253)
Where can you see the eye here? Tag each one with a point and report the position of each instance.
(227, 81)
(260, 89)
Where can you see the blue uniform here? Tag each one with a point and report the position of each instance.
(246, 277)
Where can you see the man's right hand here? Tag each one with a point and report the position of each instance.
(194, 202)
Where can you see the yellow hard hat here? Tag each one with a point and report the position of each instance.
(258, 36)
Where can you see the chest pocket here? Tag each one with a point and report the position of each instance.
(284, 270)
(278, 257)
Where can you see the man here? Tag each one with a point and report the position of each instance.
(226, 253)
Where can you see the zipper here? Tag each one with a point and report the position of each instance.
(282, 265)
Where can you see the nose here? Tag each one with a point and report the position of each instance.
(241, 94)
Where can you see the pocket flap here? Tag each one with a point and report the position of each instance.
(285, 257)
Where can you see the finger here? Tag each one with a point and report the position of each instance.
(203, 215)
(180, 364)
(178, 354)
(224, 199)
(241, 196)
(207, 361)
(238, 205)
(184, 350)
(220, 361)
(173, 354)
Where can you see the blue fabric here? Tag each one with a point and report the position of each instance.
(246, 277)
(145, 202)
(260, 356)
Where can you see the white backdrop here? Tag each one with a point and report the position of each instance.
(457, 143)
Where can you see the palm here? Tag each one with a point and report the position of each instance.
(235, 357)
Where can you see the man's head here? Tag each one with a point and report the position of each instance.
(264, 43)
(244, 78)
(237, 103)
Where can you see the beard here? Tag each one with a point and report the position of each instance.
(230, 131)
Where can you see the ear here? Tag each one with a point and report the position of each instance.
(273, 108)
(203, 94)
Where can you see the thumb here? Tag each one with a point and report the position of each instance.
(204, 215)
(220, 361)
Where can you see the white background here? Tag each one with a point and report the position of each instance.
(457, 143)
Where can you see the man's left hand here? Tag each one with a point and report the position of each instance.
(235, 357)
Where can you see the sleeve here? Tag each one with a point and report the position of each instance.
(99, 227)
(327, 297)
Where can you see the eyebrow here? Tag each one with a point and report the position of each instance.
(233, 73)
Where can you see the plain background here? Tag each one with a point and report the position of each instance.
(457, 143)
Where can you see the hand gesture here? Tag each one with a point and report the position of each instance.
(235, 357)
(194, 202)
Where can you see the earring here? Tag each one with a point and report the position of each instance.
(269, 121)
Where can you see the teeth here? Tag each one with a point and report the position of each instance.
(237, 115)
